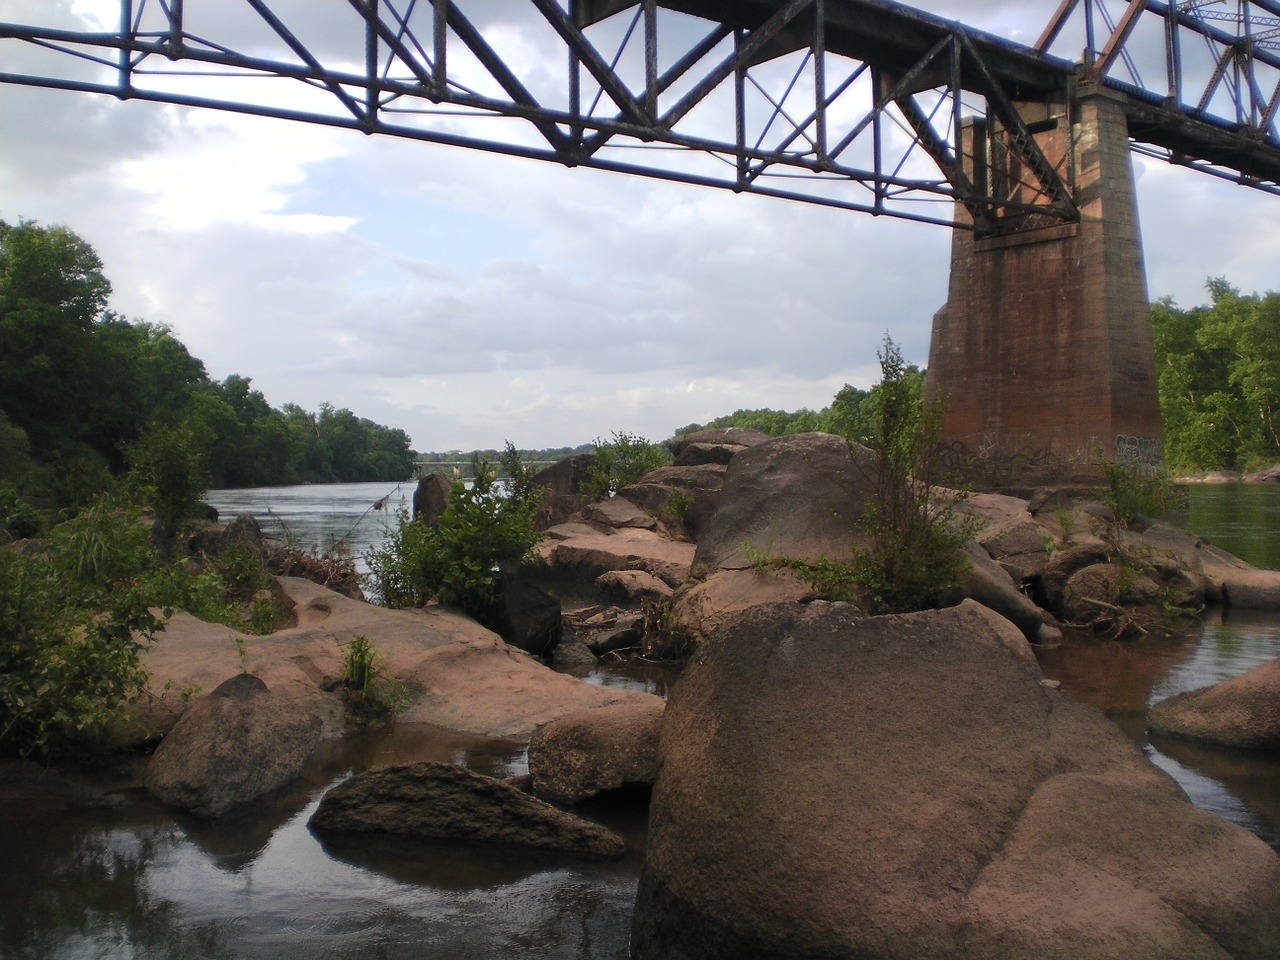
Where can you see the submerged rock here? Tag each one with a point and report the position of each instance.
(1241, 712)
(443, 802)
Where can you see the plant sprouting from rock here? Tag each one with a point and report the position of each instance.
(621, 461)
(915, 555)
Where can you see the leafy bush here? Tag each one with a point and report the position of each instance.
(73, 620)
(622, 461)
(456, 559)
(18, 518)
(1133, 489)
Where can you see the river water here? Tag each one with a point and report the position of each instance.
(134, 880)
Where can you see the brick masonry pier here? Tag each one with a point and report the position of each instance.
(1043, 354)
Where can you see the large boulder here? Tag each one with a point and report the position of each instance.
(682, 497)
(442, 802)
(909, 787)
(698, 609)
(563, 485)
(1241, 712)
(714, 446)
(585, 754)
(798, 496)
(237, 744)
(525, 615)
(431, 497)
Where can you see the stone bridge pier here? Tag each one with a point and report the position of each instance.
(1043, 354)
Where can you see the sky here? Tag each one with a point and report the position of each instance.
(471, 299)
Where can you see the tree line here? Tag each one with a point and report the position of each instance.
(853, 413)
(1219, 387)
(87, 394)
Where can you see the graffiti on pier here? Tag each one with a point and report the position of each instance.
(1145, 454)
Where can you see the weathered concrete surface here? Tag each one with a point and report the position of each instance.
(1043, 354)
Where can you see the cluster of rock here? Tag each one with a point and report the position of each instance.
(1043, 563)
(824, 783)
(243, 715)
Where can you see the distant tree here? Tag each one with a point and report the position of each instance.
(86, 393)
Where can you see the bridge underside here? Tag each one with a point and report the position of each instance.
(1043, 355)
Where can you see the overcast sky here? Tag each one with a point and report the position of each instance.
(470, 299)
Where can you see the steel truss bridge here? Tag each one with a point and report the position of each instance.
(856, 104)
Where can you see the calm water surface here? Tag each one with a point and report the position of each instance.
(133, 880)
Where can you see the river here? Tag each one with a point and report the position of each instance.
(135, 880)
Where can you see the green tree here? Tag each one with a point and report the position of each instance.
(1219, 369)
(168, 470)
(51, 291)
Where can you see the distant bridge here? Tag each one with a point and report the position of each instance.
(1043, 352)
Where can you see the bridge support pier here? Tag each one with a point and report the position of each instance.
(1043, 354)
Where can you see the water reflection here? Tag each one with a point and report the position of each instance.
(134, 882)
(1125, 679)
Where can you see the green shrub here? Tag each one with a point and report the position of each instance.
(370, 693)
(916, 554)
(456, 559)
(622, 461)
(73, 621)
(19, 520)
(1133, 489)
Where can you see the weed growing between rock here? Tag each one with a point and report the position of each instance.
(371, 694)
(621, 461)
(915, 557)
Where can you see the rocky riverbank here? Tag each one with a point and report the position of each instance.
(918, 765)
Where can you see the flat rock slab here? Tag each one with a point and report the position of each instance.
(489, 688)
(456, 673)
(446, 803)
(581, 546)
